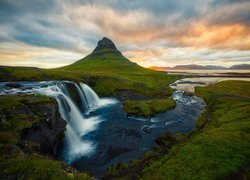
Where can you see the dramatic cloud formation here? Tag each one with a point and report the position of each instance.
(54, 33)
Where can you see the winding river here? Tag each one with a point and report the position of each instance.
(99, 134)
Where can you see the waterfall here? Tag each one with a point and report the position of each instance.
(77, 125)
(88, 97)
(91, 97)
(82, 96)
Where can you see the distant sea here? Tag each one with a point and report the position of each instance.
(208, 72)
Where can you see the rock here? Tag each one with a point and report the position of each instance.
(49, 132)
(75, 96)
(105, 46)
(167, 140)
(13, 85)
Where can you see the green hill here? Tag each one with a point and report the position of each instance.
(108, 60)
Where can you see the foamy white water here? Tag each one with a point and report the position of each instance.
(77, 125)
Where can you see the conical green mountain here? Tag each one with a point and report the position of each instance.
(106, 58)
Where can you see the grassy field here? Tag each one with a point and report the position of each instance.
(218, 149)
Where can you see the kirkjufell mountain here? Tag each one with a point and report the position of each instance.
(104, 50)
(106, 57)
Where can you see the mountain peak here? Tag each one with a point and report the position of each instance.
(105, 51)
(105, 45)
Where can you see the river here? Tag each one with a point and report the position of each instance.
(103, 135)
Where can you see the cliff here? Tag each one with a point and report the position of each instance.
(31, 128)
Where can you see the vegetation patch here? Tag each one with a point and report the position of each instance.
(36, 167)
(148, 107)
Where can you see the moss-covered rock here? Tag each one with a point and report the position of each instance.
(30, 128)
(148, 107)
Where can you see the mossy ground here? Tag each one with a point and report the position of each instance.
(21, 166)
(18, 112)
(218, 149)
(16, 115)
(148, 108)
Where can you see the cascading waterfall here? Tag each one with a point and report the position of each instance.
(77, 124)
(91, 97)
(82, 96)
(88, 97)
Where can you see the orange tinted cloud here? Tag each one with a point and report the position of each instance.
(236, 36)
(142, 57)
(19, 54)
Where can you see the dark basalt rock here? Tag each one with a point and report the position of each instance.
(13, 85)
(166, 140)
(106, 46)
(105, 43)
(48, 132)
(36, 121)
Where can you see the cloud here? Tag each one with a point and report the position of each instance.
(235, 36)
(18, 54)
(186, 55)
(150, 32)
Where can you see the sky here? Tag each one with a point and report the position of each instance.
(54, 33)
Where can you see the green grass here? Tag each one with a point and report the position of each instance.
(36, 167)
(149, 107)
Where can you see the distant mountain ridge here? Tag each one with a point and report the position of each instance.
(241, 66)
(200, 67)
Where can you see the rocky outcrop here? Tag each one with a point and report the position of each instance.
(48, 132)
(32, 123)
(13, 85)
(104, 46)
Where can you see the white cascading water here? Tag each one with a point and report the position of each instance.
(77, 124)
(82, 96)
(91, 97)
